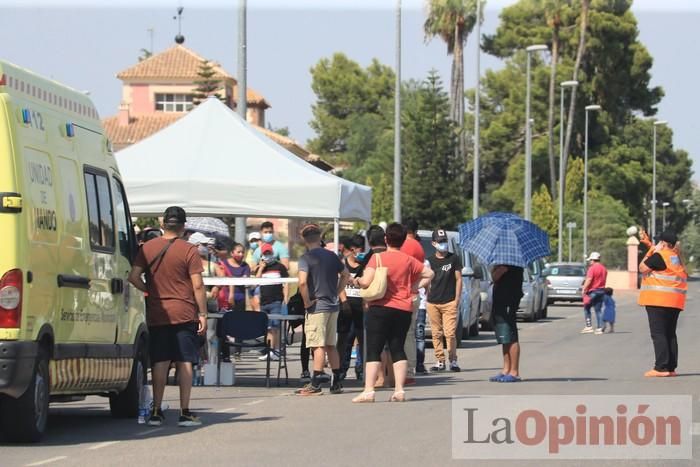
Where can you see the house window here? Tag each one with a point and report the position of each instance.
(173, 102)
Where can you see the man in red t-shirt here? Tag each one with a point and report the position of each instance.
(594, 290)
(412, 247)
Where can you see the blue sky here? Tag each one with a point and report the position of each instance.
(86, 43)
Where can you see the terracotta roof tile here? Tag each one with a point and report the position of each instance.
(138, 128)
(177, 62)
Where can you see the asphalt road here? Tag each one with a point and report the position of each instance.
(250, 425)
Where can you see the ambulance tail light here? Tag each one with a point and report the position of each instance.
(11, 299)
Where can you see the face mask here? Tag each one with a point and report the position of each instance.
(267, 238)
(360, 256)
(203, 251)
(269, 259)
(254, 246)
(238, 257)
(442, 247)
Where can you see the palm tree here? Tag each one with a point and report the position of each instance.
(553, 13)
(583, 25)
(453, 21)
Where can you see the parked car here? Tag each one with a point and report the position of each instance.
(565, 281)
(470, 302)
(533, 305)
(486, 287)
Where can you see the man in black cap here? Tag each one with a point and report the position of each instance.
(443, 300)
(176, 309)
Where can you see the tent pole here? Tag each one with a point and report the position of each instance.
(336, 233)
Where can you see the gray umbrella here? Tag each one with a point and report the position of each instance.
(207, 225)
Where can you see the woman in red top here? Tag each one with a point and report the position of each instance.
(389, 318)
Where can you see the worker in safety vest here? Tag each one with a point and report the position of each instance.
(663, 291)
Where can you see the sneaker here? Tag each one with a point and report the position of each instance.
(598, 331)
(454, 367)
(305, 377)
(336, 388)
(587, 330)
(420, 370)
(309, 390)
(324, 378)
(273, 357)
(612, 328)
(188, 418)
(157, 418)
(439, 366)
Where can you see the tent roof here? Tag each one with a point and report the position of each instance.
(213, 163)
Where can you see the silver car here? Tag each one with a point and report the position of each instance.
(533, 305)
(565, 281)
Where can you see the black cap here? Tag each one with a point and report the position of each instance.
(669, 237)
(174, 215)
(439, 236)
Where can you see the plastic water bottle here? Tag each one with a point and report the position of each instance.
(145, 402)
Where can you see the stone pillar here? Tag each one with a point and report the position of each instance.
(632, 257)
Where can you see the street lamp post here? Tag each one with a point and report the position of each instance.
(564, 85)
(571, 226)
(528, 135)
(663, 207)
(653, 183)
(589, 108)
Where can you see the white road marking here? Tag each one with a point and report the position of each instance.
(48, 461)
(230, 409)
(260, 401)
(150, 431)
(102, 445)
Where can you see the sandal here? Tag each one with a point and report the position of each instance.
(399, 396)
(495, 379)
(509, 379)
(364, 397)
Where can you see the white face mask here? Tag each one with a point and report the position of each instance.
(441, 247)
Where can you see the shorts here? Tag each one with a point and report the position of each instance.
(174, 343)
(272, 308)
(505, 325)
(254, 292)
(321, 329)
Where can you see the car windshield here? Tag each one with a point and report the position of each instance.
(576, 271)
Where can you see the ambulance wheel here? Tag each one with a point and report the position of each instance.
(126, 403)
(24, 420)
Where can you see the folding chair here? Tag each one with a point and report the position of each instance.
(245, 326)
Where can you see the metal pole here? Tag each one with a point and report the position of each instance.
(477, 95)
(397, 119)
(528, 146)
(240, 229)
(585, 191)
(336, 234)
(561, 177)
(571, 229)
(653, 191)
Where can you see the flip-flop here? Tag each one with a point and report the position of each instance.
(494, 379)
(509, 379)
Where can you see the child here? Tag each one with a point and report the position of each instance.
(609, 312)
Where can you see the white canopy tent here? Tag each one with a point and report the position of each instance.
(213, 163)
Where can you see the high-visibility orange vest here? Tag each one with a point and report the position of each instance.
(666, 288)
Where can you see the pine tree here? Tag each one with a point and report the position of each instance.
(208, 85)
(382, 198)
(431, 192)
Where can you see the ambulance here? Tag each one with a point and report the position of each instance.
(70, 323)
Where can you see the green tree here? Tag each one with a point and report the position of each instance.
(382, 198)
(283, 130)
(544, 214)
(208, 85)
(453, 21)
(431, 193)
(346, 92)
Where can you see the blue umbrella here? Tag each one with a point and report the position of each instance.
(207, 225)
(504, 238)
